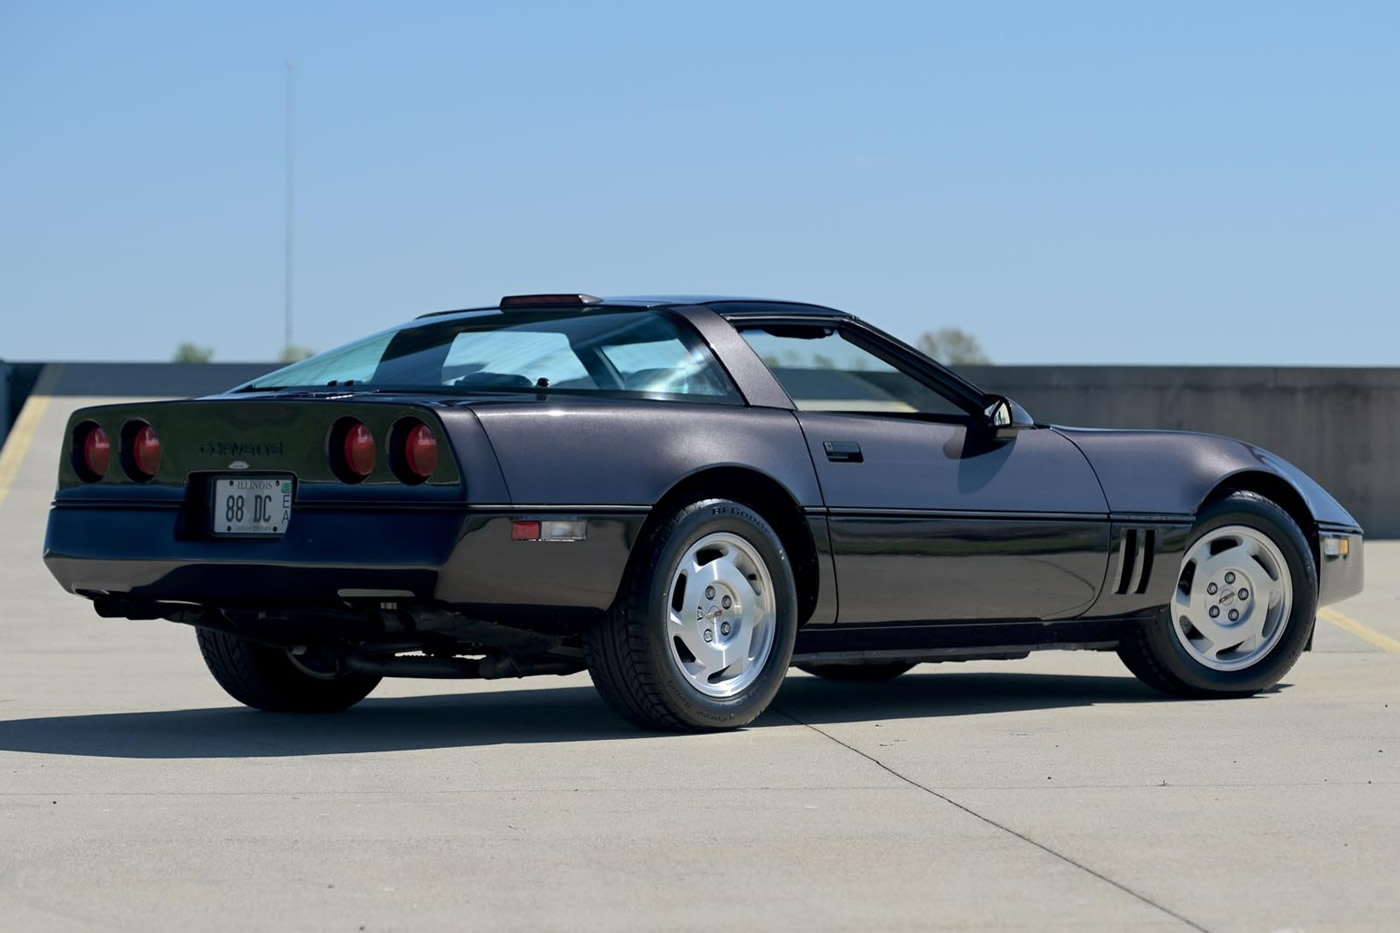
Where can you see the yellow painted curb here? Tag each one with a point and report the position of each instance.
(1363, 632)
(22, 434)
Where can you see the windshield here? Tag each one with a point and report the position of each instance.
(641, 353)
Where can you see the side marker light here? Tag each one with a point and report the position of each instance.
(549, 531)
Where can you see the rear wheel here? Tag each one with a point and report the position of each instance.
(276, 680)
(703, 631)
(857, 673)
(1243, 609)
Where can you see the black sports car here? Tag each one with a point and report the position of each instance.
(683, 496)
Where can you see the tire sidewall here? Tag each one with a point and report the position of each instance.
(266, 678)
(1266, 517)
(695, 707)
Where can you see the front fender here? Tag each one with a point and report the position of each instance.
(1174, 472)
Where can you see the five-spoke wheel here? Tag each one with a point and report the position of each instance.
(1233, 598)
(1242, 610)
(722, 615)
(703, 632)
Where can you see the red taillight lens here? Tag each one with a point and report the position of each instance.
(95, 450)
(525, 531)
(359, 450)
(145, 452)
(420, 451)
(413, 451)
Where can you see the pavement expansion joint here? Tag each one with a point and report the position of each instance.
(1000, 826)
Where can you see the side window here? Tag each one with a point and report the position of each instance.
(823, 371)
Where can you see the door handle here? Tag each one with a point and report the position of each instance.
(843, 452)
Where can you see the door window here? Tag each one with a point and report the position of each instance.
(821, 370)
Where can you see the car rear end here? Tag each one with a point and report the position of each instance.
(255, 501)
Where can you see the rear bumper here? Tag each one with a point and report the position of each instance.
(1341, 571)
(460, 557)
(325, 556)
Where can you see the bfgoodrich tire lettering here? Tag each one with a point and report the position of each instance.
(713, 578)
(1170, 654)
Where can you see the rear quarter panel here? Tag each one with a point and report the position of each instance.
(585, 453)
(609, 463)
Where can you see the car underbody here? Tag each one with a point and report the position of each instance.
(421, 641)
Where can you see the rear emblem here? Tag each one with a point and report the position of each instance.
(238, 465)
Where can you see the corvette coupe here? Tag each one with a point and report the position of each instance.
(683, 496)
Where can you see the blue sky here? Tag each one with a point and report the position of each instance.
(1071, 182)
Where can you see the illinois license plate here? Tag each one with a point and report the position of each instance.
(251, 505)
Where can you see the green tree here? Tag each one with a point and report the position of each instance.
(192, 353)
(953, 347)
(294, 353)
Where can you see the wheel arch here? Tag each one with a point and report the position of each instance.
(763, 494)
(1276, 489)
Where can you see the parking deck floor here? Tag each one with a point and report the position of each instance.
(1048, 794)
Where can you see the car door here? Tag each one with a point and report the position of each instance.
(933, 517)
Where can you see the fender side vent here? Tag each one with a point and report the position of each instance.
(1135, 553)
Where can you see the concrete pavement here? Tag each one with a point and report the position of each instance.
(1053, 793)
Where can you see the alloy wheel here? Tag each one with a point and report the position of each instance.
(721, 615)
(1233, 598)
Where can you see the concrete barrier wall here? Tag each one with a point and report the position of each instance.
(16, 382)
(118, 380)
(154, 380)
(1340, 425)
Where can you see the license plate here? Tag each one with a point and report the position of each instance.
(251, 505)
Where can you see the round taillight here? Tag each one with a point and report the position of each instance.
(420, 451)
(413, 451)
(145, 451)
(358, 450)
(94, 451)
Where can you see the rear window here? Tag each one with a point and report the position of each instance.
(628, 353)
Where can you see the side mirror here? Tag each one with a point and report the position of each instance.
(1004, 417)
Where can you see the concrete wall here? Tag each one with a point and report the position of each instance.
(118, 380)
(16, 382)
(154, 380)
(1342, 426)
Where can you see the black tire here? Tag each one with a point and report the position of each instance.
(857, 673)
(628, 654)
(1153, 652)
(267, 678)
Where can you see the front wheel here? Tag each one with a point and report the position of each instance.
(278, 681)
(1243, 608)
(703, 631)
